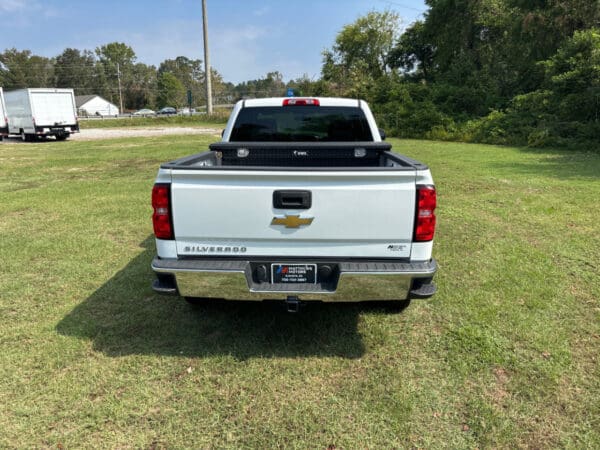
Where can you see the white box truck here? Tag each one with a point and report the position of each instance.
(3, 119)
(41, 112)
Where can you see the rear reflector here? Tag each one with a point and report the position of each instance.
(425, 220)
(161, 219)
(301, 102)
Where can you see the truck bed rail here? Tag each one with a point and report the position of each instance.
(317, 156)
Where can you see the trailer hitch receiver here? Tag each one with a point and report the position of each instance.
(292, 304)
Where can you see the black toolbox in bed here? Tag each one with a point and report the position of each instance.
(300, 154)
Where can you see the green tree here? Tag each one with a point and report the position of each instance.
(496, 44)
(365, 44)
(271, 85)
(189, 72)
(413, 53)
(221, 91)
(141, 87)
(77, 69)
(171, 91)
(21, 69)
(307, 87)
(116, 53)
(360, 53)
(572, 76)
(115, 58)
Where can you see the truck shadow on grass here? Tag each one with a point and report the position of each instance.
(125, 317)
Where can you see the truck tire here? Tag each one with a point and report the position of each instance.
(62, 137)
(26, 137)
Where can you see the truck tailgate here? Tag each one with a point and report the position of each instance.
(53, 108)
(367, 214)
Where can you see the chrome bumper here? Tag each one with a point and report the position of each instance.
(355, 281)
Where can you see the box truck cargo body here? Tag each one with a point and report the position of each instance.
(3, 119)
(41, 112)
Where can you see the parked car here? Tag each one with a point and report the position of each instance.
(144, 112)
(167, 111)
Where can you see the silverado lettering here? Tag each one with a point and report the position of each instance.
(197, 249)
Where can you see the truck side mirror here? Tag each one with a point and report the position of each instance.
(382, 134)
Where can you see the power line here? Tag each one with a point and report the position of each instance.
(404, 6)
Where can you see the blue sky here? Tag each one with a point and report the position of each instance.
(247, 38)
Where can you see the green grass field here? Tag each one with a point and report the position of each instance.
(505, 355)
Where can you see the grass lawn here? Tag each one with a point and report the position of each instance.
(505, 355)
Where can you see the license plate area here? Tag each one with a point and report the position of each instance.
(294, 273)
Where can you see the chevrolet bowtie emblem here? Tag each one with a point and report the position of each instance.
(292, 221)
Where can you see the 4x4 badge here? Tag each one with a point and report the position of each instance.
(292, 221)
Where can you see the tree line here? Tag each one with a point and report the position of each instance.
(523, 72)
(142, 86)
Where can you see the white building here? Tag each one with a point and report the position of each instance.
(94, 105)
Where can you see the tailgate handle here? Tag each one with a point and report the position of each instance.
(292, 199)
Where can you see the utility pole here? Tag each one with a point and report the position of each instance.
(209, 106)
(120, 94)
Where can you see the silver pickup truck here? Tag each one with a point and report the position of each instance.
(302, 200)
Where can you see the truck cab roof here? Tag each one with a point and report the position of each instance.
(286, 118)
(278, 101)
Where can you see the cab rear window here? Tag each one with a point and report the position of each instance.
(301, 124)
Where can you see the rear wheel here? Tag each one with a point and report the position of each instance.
(26, 137)
(62, 137)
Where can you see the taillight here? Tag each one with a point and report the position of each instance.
(301, 102)
(425, 220)
(161, 219)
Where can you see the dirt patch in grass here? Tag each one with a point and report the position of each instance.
(499, 392)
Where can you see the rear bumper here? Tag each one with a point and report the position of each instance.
(57, 130)
(351, 281)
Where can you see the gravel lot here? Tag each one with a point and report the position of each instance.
(113, 133)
